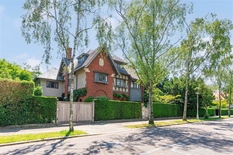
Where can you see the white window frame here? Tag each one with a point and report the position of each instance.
(100, 77)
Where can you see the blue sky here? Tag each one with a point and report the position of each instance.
(14, 48)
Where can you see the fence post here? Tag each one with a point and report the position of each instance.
(93, 112)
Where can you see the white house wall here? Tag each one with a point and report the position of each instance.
(52, 91)
(80, 79)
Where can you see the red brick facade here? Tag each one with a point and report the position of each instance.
(100, 89)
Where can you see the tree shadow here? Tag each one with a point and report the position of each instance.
(184, 138)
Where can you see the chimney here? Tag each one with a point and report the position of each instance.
(69, 53)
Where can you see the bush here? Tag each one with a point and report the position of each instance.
(15, 91)
(76, 94)
(206, 116)
(121, 96)
(112, 110)
(34, 110)
(89, 99)
(211, 111)
(38, 91)
(167, 110)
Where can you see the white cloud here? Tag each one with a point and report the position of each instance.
(33, 62)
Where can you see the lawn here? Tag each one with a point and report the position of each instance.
(38, 136)
(173, 122)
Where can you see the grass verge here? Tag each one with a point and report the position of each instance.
(38, 136)
(173, 122)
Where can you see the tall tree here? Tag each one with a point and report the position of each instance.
(190, 58)
(66, 22)
(219, 47)
(146, 37)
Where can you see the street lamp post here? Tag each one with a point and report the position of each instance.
(197, 105)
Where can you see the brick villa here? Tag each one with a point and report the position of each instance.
(100, 74)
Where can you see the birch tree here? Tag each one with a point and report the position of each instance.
(219, 47)
(64, 23)
(146, 37)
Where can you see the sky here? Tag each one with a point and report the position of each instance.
(14, 48)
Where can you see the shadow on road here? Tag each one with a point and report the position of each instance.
(167, 137)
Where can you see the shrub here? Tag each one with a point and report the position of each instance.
(38, 91)
(206, 116)
(167, 110)
(111, 110)
(121, 96)
(89, 99)
(15, 91)
(34, 110)
(76, 94)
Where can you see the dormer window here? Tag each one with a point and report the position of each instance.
(81, 59)
(118, 65)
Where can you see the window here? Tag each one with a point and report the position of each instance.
(121, 82)
(51, 84)
(134, 85)
(101, 77)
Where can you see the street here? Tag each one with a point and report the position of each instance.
(206, 138)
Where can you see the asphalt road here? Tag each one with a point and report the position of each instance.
(208, 138)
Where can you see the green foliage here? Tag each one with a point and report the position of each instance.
(15, 91)
(223, 102)
(77, 94)
(176, 87)
(206, 116)
(170, 99)
(38, 91)
(34, 110)
(122, 97)
(211, 111)
(112, 110)
(89, 99)
(13, 71)
(167, 110)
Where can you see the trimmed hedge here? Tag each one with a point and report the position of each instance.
(167, 110)
(15, 91)
(112, 110)
(31, 111)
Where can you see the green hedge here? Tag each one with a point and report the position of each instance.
(225, 111)
(112, 110)
(167, 110)
(15, 91)
(31, 111)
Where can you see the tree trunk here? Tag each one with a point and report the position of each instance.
(187, 76)
(71, 127)
(229, 104)
(229, 96)
(220, 101)
(151, 114)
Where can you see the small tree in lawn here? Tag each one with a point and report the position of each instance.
(65, 22)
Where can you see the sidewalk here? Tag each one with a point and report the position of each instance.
(102, 127)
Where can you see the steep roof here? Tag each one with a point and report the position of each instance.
(50, 74)
(131, 72)
(116, 58)
(91, 54)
